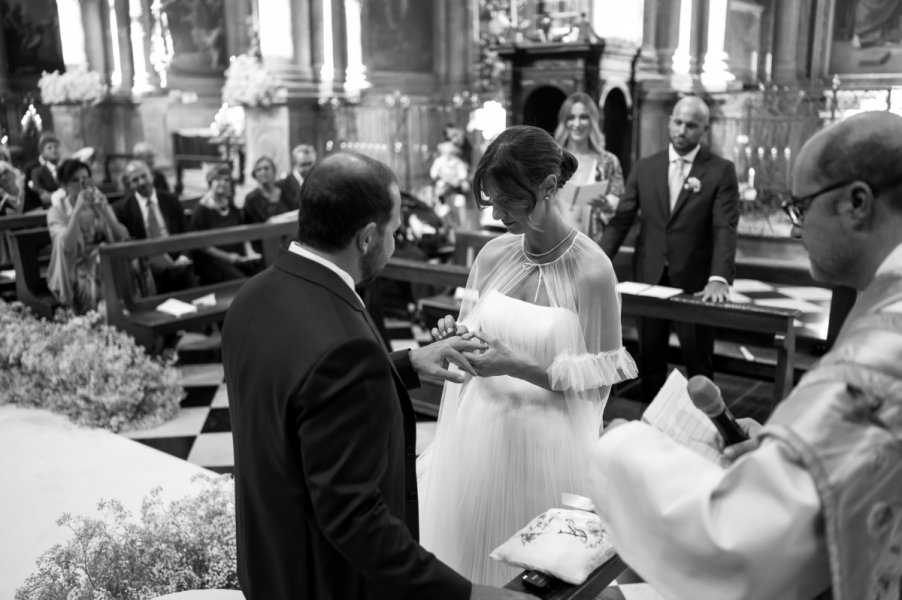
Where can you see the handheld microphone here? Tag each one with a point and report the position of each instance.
(706, 397)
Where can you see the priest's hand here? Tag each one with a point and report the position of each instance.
(752, 428)
(433, 360)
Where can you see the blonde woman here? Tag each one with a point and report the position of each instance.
(579, 132)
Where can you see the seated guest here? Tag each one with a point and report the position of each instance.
(216, 210)
(144, 152)
(11, 182)
(42, 176)
(94, 157)
(302, 158)
(269, 199)
(150, 213)
(10, 203)
(79, 221)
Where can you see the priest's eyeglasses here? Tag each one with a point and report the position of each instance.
(795, 208)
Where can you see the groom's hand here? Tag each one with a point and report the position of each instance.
(433, 359)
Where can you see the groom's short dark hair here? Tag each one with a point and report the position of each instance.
(340, 195)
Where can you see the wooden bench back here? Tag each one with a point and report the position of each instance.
(28, 245)
(120, 291)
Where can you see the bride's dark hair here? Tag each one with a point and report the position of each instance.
(516, 163)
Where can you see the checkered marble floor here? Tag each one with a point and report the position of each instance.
(201, 432)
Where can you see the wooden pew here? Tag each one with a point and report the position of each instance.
(29, 246)
(11, 223)
(138, 315)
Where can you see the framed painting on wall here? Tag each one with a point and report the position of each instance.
(198, 32)
(858, 41)
(31, 33)
(399, 35)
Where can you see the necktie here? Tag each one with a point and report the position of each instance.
(676, 180)
(153, 224)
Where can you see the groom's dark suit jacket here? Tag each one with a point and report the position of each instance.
(324, 438)
(695, 240)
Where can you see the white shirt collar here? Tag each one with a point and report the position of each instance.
(296, 248)
(892, 262)
(689, 157)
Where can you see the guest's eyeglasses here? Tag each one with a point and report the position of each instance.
(795, 208)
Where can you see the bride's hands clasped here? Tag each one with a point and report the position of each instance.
(497, 359)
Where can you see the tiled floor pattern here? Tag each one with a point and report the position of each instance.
(201, 433)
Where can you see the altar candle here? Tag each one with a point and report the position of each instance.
(754, 68)
(751, 177)
(768, 59)
(760, 153)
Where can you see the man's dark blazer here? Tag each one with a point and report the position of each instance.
(43, 179)
(291, 187)
(324, 436)
(696, 240)
(128, 211)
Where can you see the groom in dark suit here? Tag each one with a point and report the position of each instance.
(323, 428)
(688, 204)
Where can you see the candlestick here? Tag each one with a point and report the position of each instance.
(751, 177)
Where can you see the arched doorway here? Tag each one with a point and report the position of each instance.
(618, 128)
(541, 106)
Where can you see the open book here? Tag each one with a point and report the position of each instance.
(673, 413)
(575, 202)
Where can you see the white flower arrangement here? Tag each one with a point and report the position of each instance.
(80, 367)
(75, 86)
(693, 184)
(188, 545)
(248, 83)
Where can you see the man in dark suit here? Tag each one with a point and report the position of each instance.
(143, 151)
(323, 428)
(150, 213)
(688, 202)
(41, 175)
(303, 156)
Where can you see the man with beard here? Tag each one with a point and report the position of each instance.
(324, 431)
(688, 204)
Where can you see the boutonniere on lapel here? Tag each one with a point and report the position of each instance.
(693, 185)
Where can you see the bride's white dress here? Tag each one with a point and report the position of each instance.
(506, 449)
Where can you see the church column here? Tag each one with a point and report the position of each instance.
(786, 38)
(123, 76)
(355, 73)
(684, 62)
(715, 74)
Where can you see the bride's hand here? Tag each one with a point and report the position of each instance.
(447, 327)
(497, 359)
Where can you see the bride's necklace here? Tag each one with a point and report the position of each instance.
(557, 246)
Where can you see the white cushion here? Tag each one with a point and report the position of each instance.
(564, 543)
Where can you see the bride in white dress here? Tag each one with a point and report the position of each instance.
(511, 440)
